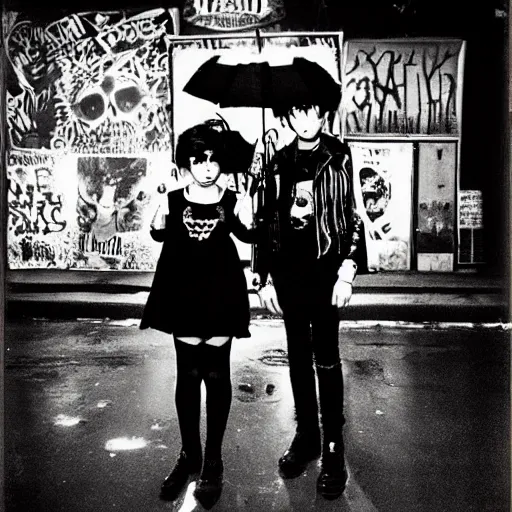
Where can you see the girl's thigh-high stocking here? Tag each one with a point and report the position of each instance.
(188, 397)
(217, 377)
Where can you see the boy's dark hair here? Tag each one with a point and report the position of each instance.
(195, 141)
(283, 111)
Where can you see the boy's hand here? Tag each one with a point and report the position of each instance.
(341, 294)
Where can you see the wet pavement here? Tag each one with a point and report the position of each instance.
(90, 423)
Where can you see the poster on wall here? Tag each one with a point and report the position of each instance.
(437, 173)
(471, 241)
(228, 15)
(89, 83)
(241, 104)
(403, 87)
(85, 211)
(383, 193)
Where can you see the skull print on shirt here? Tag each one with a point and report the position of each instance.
(303, 207)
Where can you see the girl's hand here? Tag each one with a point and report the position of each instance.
(244, 210)
(268, 299)
(341, 294)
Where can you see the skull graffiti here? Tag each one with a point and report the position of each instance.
(113, 102)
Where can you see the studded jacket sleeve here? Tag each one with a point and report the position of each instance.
(355, 259)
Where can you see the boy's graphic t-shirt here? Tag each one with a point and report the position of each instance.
(298, 239)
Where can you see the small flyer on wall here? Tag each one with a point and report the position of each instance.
(471, 224)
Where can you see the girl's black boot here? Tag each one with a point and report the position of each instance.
(178, 477)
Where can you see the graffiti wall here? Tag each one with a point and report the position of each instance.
(405, 87)
(89, 137)
(383, 194)
(37, 219)
(72, 211)
(90, 83)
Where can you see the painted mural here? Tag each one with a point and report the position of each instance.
(72, 211)
(383, 195)
(89, 138)
(89, 83)
(402, 87)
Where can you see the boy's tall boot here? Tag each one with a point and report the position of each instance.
(333, 475)
(306, 444)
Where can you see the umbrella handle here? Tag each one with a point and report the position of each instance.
(259, 40)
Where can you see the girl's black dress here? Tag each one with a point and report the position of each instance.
(199, 288)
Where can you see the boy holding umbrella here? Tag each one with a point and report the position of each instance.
(315, 239)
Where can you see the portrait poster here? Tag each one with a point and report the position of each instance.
(88, 212)
(254, 124)
(383, 175)
(405, 87)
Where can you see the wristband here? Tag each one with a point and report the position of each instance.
(347, 271)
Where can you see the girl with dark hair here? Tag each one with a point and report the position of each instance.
(199, 294)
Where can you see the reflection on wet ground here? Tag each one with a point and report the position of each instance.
(90, 422)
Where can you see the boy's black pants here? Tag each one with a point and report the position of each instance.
(312, 325)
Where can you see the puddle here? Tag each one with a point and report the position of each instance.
(62, 420)
(274, 357)
(251, 386)
(125, 444)
(44, 375)
(42, 364)
(369, 368)
(115, 361)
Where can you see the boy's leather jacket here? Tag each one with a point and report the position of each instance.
(347, 239)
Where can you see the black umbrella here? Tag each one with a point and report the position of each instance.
(258, 84)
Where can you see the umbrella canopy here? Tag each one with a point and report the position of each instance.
(258, 84)
(239, 150)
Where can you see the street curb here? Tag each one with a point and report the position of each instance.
(412, 307)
